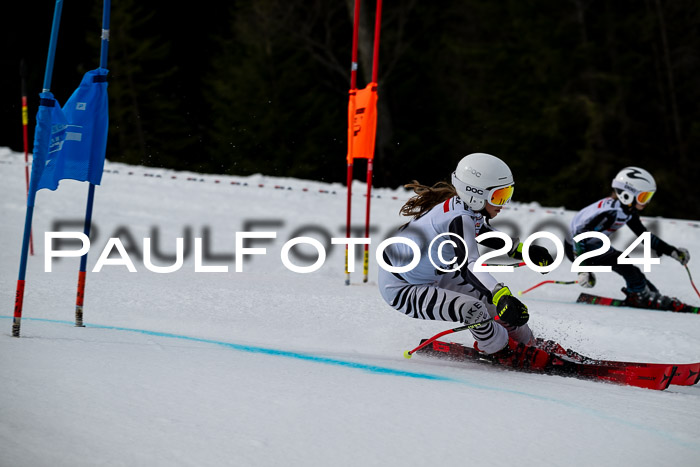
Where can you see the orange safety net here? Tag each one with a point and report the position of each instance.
(362, 122)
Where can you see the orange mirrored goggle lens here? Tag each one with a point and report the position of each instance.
(500, 196)
(644, 197)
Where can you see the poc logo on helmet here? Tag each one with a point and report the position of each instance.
(471, 189)
(474, 172)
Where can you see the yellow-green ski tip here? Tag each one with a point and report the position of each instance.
(520, 292)
(407, 354)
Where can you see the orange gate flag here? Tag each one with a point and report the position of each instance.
(362, 122)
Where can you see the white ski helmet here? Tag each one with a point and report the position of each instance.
(634, 183)
(482, 177)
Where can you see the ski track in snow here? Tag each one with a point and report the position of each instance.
(268, 367)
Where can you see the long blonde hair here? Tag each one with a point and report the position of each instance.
(426, 198)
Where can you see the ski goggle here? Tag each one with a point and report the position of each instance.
(644, 197)
(500, 196)
(496, 196)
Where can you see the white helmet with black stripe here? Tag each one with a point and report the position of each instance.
(634, 183)
(481, 178)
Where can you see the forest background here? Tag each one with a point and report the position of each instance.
(566, 91)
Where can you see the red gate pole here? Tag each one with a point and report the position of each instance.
(375, 72)
(351, 116)
(25, 122)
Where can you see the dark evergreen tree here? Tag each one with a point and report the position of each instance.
(146, 120)
(568, 92)
(274, 108)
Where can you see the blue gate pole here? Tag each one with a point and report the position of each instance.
(34, 179)
(82, 273)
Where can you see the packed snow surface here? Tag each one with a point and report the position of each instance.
(269, 367)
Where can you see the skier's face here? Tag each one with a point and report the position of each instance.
(493, 210)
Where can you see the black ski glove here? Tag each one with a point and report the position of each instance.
(510, 310)
(538, 254)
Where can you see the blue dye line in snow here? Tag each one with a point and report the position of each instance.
(263, 350)
(282, 353)
(386, 371)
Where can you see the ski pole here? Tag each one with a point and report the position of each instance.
(515, 265)
(547, 282)
(691, 280)
(409, 353)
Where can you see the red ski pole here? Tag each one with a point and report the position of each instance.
(409, 353)
(691, 280)
(547, 282)
(515, 265)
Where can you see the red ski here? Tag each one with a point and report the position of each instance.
(678, 307)
(535, 360)
(686, 374)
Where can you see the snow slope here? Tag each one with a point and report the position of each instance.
(268, 367)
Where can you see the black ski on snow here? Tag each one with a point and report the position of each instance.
(534, 360)
(598, 300)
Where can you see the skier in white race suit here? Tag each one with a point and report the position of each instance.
(633, 188)
(481, 185)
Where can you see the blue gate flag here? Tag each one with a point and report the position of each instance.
(78, 134)
(50, 123)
